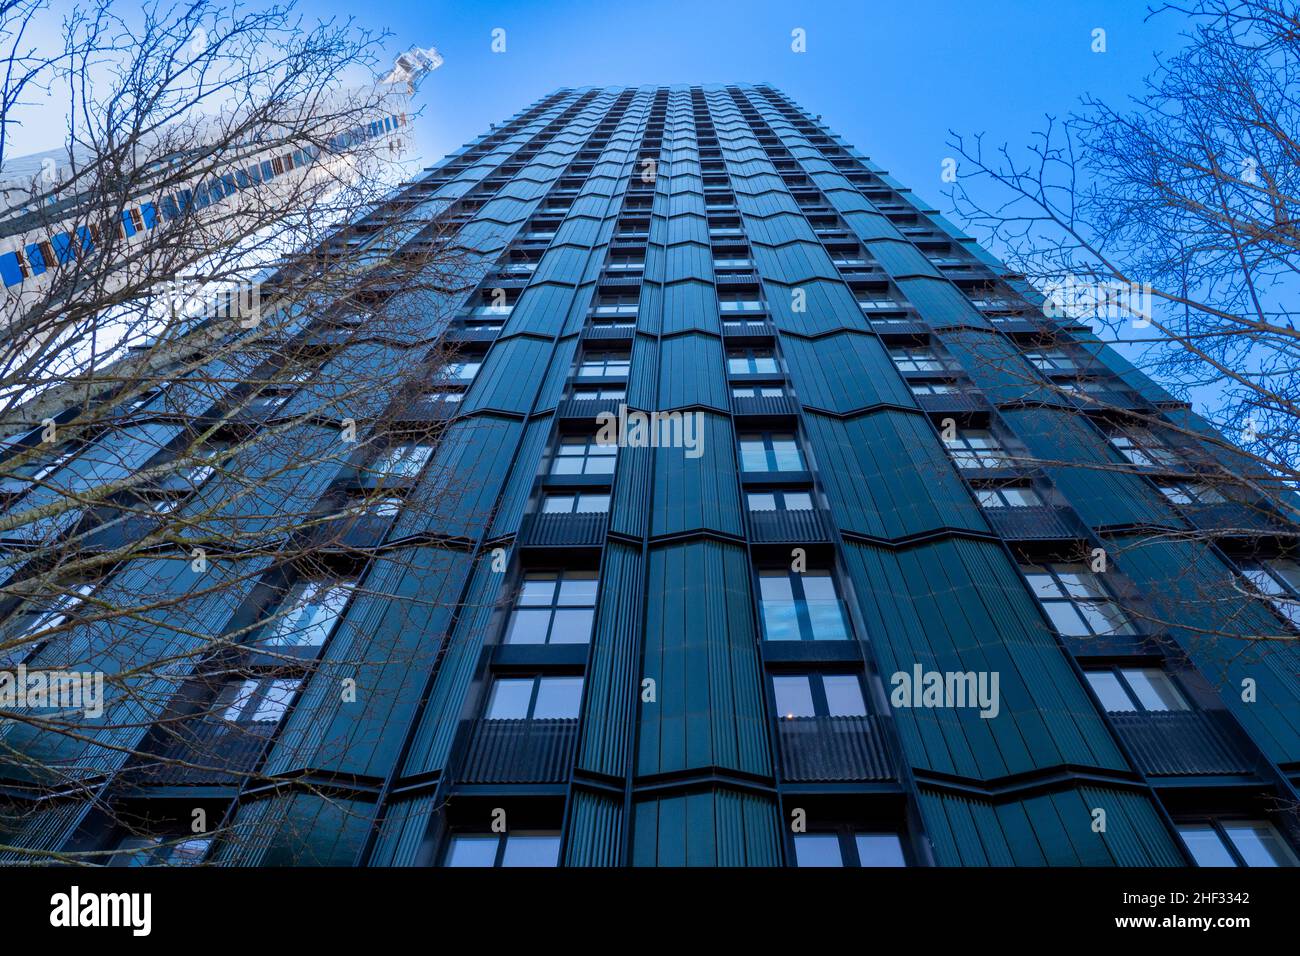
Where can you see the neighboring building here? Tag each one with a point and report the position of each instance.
(687, 655)
(37, 238)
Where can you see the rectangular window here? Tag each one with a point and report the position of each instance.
(554, 607)
(1141, 447)
(1236, 842)
(779, 500)
(848, 847)
(308, 614)
(1277, 579)
(770, 451)
(593, 393)
(257, 699)
(800, 606)
(578, 503)
(583, 455)
(402, 461)
(525, 848)
(818, 695)
(605, 365)
(911, 358)
(1191, 493)
(1076, 601)
(973, 448)
(1009, 496)
(1123, 689)
(536, 697)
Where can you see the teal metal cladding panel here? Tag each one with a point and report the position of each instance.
(688, 261)
(631, 501)
(997, 368)
(811, 308)
(28, 838)
(402, 833)
(887, 475)
(698, 493)
(560, 264)
(779, 229)
(901, 259)
(959, 605)
(595, 836)
(691, 373)
(844, 372)
(940, 303)
(643, 376)
(387, 643)
(459, 488)
(510, 375)
(441, 716)
(650, 308)
(700, 649)
(1229, 637)
(1054, 829)
(1107, 495)
(143, 657)
(613, 687)
(557, 375)
(718, 827)
(795, 263)
(690, 306)
(357, 382)
(1121, 366)
(523, 472)
(541, 309)
(297, 829)
(267, 486)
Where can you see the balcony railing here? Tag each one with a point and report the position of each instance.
(219, 754)
(581, 528)
(1182, 742)
(519, 751)
(1032, 524)
(761, 405)
(829, 749)
(782, 526)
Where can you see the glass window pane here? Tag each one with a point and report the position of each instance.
(1154, 689)
(798, 501)
(528, 626)
(537, 588)
(578, 588)
(589, 504)
(557, 504)
(558, 697)
(1066, 619)
(879, 849)
(762, 502)
(475, 850)
(817, 849)
(509, 698)
(532, 849)
(276, 700)
(793, 696)
(1205, 845)
(1259, 843)
(572, 626)
(1109, 691)
(844, 695)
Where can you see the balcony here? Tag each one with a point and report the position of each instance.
(957, 402)
(1033, 524)
(833, 749)
(758, 405)
(519, 751)
(557, 530)
(220, 754)
(589, 408)
(1183, 742)
(793, 526)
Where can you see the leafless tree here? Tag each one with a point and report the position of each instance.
(1169, 225)
(221, 377)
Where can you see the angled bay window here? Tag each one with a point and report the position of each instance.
(919, 358)
(1009, 496)
(554, 607)
(583, 455)
(1278, 580)
(1230, 841)
(309, 613)
(770, 451)
(1122, 689)
(1076, 601)
(977, 448)
(256, 700)
(1141, 447)
(534, 697)
(402, 462)
(800, 606)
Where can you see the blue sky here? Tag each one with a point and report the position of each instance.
(892, 78)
